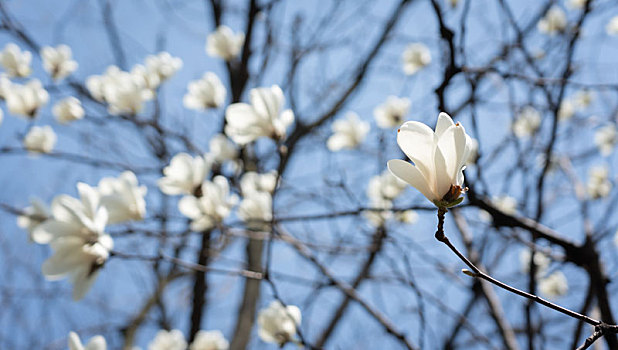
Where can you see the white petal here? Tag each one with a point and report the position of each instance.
(412, 175)
(418, 142)
(444, 122)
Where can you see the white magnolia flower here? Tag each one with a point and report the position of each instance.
(527, 122)
(57, 61)
(553, 22)
(541, 261)
(40, 139)
(184, 175)
(566, 110)
(163, 65)
(26, 100)
(33, 215)
(76, 234)
(390, 114)
(207, 92)
(262, 118)
(125, 92)
(598, 184)
(439, 158)
(123, 198)
(583, 99)
(212, 206)
(407, 216)
(612, 26)
(15, 62)
(277, 323)
(555, 285)
(255, 210)
(96, 84)
(149, 78)
(168, 340)
(221, 149)
(385, 186)
(68, 110)
(504, 203)
(5, 85)
(576, 4)
(252, 182)
(606, 138)
(224, 43)
(209, 340)
(348, 133)
(95, 343)
(415, 57)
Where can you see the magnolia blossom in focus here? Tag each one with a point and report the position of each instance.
(207, 92)
(40, 139)
(95, 343)
(555, 285)
(277, 323)
(262, 118)
(33, 215)
(221, 149)
(15, 62)
(163, 65)
(209, 340)
(553, 22)
(57, 61)
(541, 261)
(224, 43)
(123, 198)
(439, 157)
(252, 182)
(168, 340)
(598, 185)
(25, 100)
(606, 138)
(68, 110)
(255, 210)
(76, 234)
(348, 133)
(504, 203)
(612, 26)
(212, 207)
(527, 122)
(390, 114)
(415, 57)
(184, 175)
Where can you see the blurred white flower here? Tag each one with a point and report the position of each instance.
(209, 340)
(252, 182)
(96, 84)
(123, 198)
(15, 62)
(385, 186)
(598, 185)
(57, 61)
(5, 85)
(76, 234)
(348, 133)
(163, 65)
(439, 159)
(26, 100)
(207, 92)
(415, 57)
(95, 343)
(68, 110)
(262, 118)
(255, 210)
(390, 114)
(553, 22)
(606, 138)
(168, 340)
(576, 4)
(33, 215)
(221, 149)
(555, 285)
(407, 216)
(124, 92)
(224, 43)
(474, 151)
(583, 99)
(527, 122)
(40, 139)
(277, 323)
(566, 110)
(504, 203)
(612, 26)
(541, 261)
(184, 175)
(150, 79)
(212, 206)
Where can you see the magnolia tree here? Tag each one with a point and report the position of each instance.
(332, 174)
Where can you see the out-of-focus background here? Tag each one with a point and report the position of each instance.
(535, 84)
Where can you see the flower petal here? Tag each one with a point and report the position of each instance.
(412, 175)
(444, 122)
(418, 142)
(452, 145)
